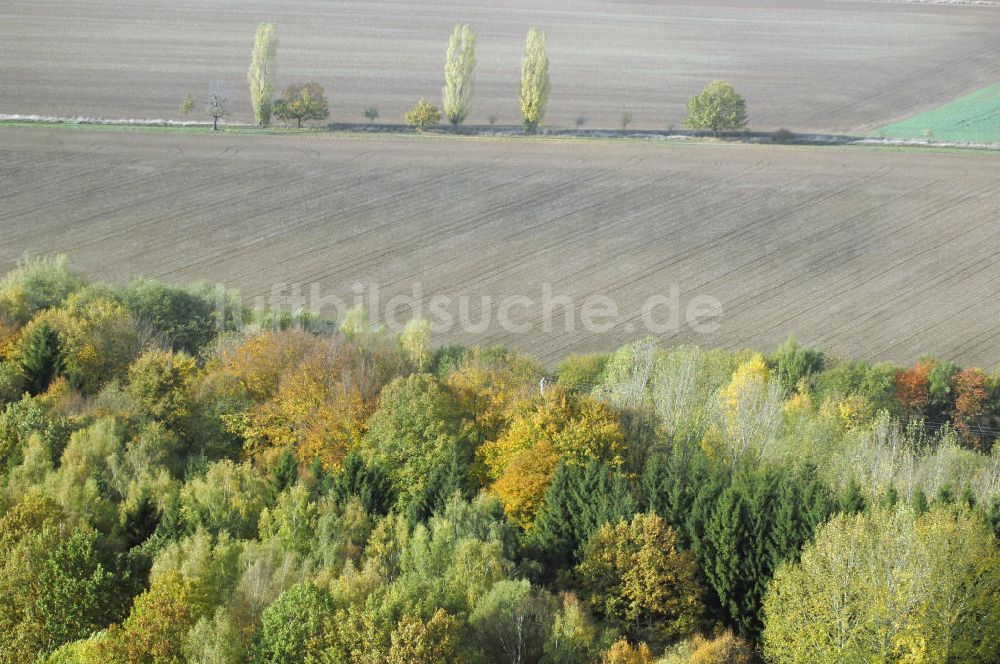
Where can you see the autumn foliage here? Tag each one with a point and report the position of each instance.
(258, 486)
(913, 389)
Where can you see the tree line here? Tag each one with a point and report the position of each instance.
(717, 108)
(188, 483)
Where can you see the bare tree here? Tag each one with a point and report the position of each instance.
(219, 104)
(748, 416)
(676, 394)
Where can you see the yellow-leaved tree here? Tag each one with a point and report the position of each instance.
(436, 641)
(309, 394)
(261, 74)
(748, 415)
(542, 431)
(534, 80)
(636, 579)
(889, 585)
(459, 74)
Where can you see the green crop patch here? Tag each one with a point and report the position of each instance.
(972, 118)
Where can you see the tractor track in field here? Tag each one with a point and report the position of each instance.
(876, 254)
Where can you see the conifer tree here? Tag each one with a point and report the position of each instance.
(785, 535)
(600, 496)
(578, 502)
(41, 359)
(817, 504)
(369, 483)
(853, 501)
(760, 520)
(286, 472)
(141, 521)
(449, 477)
(945, 495)
(701, 511)
(730, 555)
(918, 501)
(552, 540)
(890, 497)
(967, 498)
(669, 486)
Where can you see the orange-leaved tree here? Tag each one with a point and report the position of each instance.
(542, 431)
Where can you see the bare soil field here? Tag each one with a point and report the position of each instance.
(838, 65)
(873, 253)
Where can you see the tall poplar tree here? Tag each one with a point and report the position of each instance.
(459, 74)
(261, 74)
(534, 80)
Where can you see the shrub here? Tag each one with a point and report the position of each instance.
(783, 136)
(424, 114)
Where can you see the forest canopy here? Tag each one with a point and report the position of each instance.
(181, 484)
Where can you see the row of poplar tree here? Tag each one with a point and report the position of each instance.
(716, 108)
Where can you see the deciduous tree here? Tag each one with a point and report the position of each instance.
(970, 405)
(623, 652)
(574, 637)
(416, 428)
(423, 115)
(889, 585)
(218, 104)
(261, 74)
(512, 621)
(415, 340)
(636, 578)
(459, 74)
(534, 80)
(297, 627)
(156, 628)
(160, 381)
(302, 102)
(748, 415)
(717, 108)
(436, 641)
(913, 389)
